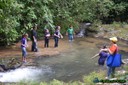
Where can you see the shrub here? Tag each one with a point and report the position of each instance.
(89, 79)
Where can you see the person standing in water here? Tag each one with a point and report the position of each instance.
(57, 35)
(46, 38)
(70, 33)
(34, 39)
(112, 50)
(24, 45)
(103, 56)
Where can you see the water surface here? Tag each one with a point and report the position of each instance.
(67, 66)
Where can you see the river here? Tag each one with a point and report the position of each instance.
(67, 66)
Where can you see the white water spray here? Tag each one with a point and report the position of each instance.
(28, 74)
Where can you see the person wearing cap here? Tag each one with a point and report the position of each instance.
(24, 45)
(113, 49)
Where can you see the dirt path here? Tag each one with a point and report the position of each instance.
(15, 50)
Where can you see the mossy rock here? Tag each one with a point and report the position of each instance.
(10, 63)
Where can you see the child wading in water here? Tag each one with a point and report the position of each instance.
(103, 55)
(57, 35)
(23, 47)
(70, 33)
(46, 39)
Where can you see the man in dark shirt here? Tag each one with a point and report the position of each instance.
(34, 39)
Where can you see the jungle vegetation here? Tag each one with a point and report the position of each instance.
(19, 16)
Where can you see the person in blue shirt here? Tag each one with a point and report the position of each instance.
(24, 45)
(34, 39)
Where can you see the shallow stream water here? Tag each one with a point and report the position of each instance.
(67, 66)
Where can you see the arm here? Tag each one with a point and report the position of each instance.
(56, 35)
(73, 32)
(112, 49)
(34, 35)
(48, 35)
(107, 50)
(61, 36)
(67, 32)
(34, 38)
(24, 43)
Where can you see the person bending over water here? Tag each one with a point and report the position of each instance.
(102, 56)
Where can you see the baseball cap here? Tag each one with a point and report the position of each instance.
(114, 39)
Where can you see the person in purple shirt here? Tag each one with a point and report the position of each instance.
(57, 35)
(103, 56)
(23, 47)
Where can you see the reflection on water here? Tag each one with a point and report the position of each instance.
(67, 66)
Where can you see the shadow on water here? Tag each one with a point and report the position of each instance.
(68, 66)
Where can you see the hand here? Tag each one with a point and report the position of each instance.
(61, 36)
(100, 50)
(27, 45)
(35, 40)
(58, 36)
(66, 33)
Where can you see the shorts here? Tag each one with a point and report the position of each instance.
(24, 52)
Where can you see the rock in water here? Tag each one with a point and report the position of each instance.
(10, 65)
(2, 68)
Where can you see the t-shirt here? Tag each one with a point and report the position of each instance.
(57, 32)
(113, 48)
(47, 35)
(33, 33)
(23, 42)
(103, 55)
(70, 31)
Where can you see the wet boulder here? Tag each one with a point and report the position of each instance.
(1, 68)
(14, 63)
(10, 64)
(83, 29)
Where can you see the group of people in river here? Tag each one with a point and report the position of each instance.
(105, 53)
(111, 56)
(57, 35)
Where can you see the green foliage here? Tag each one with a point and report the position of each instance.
(19, 16)
(89, 79)
(56, 82)
(43, 83)
(8, 21)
